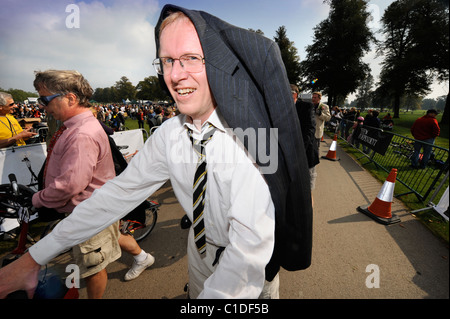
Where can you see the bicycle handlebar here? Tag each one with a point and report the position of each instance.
(14, 185)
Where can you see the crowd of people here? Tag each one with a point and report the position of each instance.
(28, 111)
(151, 114)
(348, 123)
(112, 114)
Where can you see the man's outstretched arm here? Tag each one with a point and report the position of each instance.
(22, 274)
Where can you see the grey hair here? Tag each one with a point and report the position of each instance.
(64, 82)
(3, 97)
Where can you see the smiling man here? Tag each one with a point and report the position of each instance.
(234, 249)
(11, 133)
(181, 63)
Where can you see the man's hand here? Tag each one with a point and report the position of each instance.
(22, 274)
(26, 133)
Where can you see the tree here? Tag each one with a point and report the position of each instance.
(106, 95)
(364, 93)
(415, 48)
(411, 102)
(381, 98)
(289, 54)
(20, 95)
(428, 104)
(150, 89)
(125, 89)
(259, 31)
(335, 57)
(442, 105)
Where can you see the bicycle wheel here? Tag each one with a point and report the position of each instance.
(140, 231)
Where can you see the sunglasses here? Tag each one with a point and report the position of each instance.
(12, 104)
(45, 100)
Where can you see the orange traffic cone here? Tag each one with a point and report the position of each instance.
(380, 209)
(332, 152)
(322, 140)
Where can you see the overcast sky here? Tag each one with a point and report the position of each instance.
(115, 38)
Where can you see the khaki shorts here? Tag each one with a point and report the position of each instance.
(97, 252)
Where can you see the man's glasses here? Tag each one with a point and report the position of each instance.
(12, 104)
(45, 100)
(191, 63)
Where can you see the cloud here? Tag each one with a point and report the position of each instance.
(114, 39)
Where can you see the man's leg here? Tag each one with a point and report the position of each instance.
(415, 156)
(427, 149)
(129, 244)
(142, 260)
(96, 284)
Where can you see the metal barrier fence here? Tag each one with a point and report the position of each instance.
(420, 182)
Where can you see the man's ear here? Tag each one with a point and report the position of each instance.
(72, 98)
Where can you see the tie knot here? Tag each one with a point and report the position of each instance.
(200, 144)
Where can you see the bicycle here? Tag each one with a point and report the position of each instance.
(16, 203)
(143, 225)
(404, 148)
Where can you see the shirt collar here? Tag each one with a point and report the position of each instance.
(216, 119)
(74, 120)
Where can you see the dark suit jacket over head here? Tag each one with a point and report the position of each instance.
(248, 80)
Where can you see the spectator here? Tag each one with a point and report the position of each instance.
(322, 113)
(78, 161)
(349, 119)
(140, 118)
(425, 130)
(353, 137)
(372, 119)
(11, 133)
(117, 119)
(306, 115)
(342, 123)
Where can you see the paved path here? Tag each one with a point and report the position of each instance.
(411, 262)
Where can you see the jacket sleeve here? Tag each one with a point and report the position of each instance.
(436, 128)
(326, 115)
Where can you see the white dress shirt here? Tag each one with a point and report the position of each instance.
(239, 213)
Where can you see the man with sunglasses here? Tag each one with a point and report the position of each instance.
(11, 133)
(78, 161)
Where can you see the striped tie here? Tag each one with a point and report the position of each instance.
(199, 189)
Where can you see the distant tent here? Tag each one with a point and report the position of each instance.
(32, 100)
